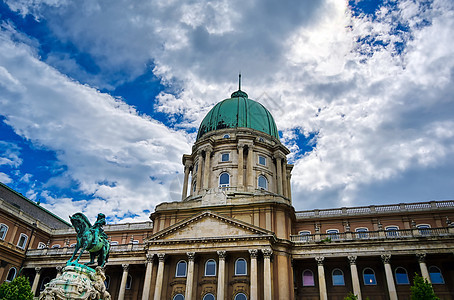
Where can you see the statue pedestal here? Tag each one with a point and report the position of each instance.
(77, 282)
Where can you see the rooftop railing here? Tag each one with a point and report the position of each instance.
(374, 209)
(373, 235)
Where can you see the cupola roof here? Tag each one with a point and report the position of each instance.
(236, 112)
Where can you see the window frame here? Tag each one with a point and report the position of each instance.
(313, 280)
(342, 274)
(174, 297)
(373, 273)
(56, 246)
(227, 155)
(236, 267)
(215, 266)
(2, 225)
(334, 235)
(421, 229)
(128, 280)
(392, 232)
(209, 294)
(264, 159)
(41, 245)
(362, 234)
(266, 182)
(240, 293)
(185, 269)
(441, 275)
(406, 274)
(226, 136)
(219, 181)
(304, 235)
(25, 242)
(14, 276)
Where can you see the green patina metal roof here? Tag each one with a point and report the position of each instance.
(238, 111)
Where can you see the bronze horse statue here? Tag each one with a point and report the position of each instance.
(90, 238)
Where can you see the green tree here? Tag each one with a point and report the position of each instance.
(422, 289)
(351, 296)
(18, 289)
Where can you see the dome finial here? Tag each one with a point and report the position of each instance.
(239, 81)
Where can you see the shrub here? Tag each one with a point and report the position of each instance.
(18, 289)
(422, 289)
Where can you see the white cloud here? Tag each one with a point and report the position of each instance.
(5, 178)
(381, 112)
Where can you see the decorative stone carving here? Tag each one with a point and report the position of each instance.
(352, 259)
(38, 270)
(320, 260)
(386, 258)
(149, 258)
(421, 257)
(190, 255)
(222, 254)
(77, 282)
(161, 256)
(125, 267)
(267, 253)
(254, 252)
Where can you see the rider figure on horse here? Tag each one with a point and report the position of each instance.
(97, 230)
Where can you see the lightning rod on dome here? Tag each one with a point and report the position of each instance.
(239, 81)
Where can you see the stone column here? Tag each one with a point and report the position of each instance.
(321, 278)
(254, 278)
(386, 258)
(59, 268)
(190, 276)
(279, 173)
(250, 167)
(240, 167)
(147, 280)
(36, 280)
(184, 194)
(267, 274)
(221, 276)
(159, 277)
(423, 266)
(206, 169)
(284, 178)
(124, 278)
(355, 278)
(198, 180)
(289, 185)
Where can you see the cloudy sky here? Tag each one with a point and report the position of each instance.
(99, 99)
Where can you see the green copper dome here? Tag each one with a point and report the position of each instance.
(238, 111)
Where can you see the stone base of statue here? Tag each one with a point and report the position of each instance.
(77, 282)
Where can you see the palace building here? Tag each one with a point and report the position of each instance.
(235, 234)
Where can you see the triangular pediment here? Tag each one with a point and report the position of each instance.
(208, 225)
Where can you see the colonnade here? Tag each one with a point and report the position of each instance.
(191, 278)
(386, 259)
(201, 166)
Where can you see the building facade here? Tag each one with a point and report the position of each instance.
(235, 234)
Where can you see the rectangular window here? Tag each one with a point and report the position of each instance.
(225, 157)
(262, 160)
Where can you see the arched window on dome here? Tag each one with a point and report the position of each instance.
(401, 276)
(435, 275)
(224, 180)
(262, 182)
(181, 269)
(210, 267)
(308, 278)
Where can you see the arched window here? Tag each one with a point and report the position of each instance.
(424, 229)
(178, 297)
(107, 282)
(240, 296)
(22, 241)
(369, 277)
(194, 187)
(3, 231)
(45, 281)
(181, 269)
(262, 182)
(208, 297)
(226, 136)
(333, 234)
(435, 275)
(210, 268)
(338, 277)
(304, 235)
(240, 267)
(224, 180)
(401, 276)
(11, 274)
(41, 245)
(362, 233)
(128, 282)
(392, 231)
(308, 278)
(56, 246)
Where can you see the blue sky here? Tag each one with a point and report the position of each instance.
(100, 99)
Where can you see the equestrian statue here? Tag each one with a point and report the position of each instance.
(90, 238)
